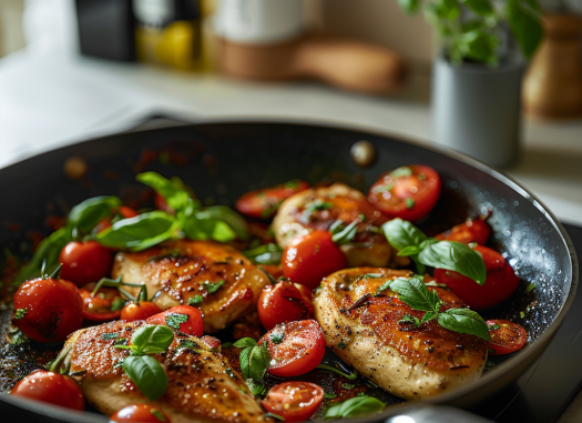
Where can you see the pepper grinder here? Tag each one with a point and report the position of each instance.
(267, 40)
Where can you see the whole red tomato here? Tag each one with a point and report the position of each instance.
(139, 311)
(140, 413)
(182, 318)
(500, 283)
(52, 388)
(409, 192)
(47, 310)
(284, 302)
(310, 258)
(85, 262)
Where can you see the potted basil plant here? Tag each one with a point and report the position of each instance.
(476, 96)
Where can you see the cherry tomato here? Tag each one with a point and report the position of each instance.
(471, 231)
(161, 204)
(507, 338)
(47, 310)
(103, 224)
(409, 192)
(127, 212)
(85, 262)
(140, 413)
(284, 302)
(310, 258)
(183, 318)
(52, 388)
(294, 401)
(139, 311)
(263, 204)
(296, 347)
(98, 308)
(500, 283)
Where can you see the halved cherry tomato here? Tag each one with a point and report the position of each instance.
(295, 347)
(182, 318)
(310, 258)
(263, 204)
(85, 262)
(98, 308)
(140, 413)
(127, 212)
(47, 310)
(284, 302)
(52, 388)
(139, 311)
(409, 192)
(507, 338)
(471, 231)
(294, 401)
(500, 283)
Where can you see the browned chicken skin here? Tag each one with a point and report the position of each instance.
(179, 271)
(202, 386)
(409, 362)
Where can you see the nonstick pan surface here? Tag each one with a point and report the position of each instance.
(222, 160)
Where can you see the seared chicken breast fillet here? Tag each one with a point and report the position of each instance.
(320, 208)
(202, 386)
(364, 330)
(214, 277)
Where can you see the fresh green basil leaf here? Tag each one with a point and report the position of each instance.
(174, 320)
(452, 255)
(140, 232)
(319, 205)
(148, 375)
(196, 300)
(212, 288)
(87, 214)
(257, 388)
(383, 288)
(328, 396)
(463, 320)
(401, 234)
(414, 293)
(347, 234)
(202, 225)
(355, 407)
(428, 316)
(48, 252)
(408, 318)
(245, 343)
(151, 339)
(176, 197)
(265, 254)
(411, 250)
(259, 359)
(231, 218)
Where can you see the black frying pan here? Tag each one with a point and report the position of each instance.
(222, 160)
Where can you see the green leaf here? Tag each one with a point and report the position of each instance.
(448, 9)
(140, 232)
(401, 172)
(478, 45)
(176, 197)
(414, 293)
(409, 6)
(525, 27)
(480, 7)
(20, 313)
(254, 362)
(245, 343)
(148, 375)
(428, 316)
(212, 288)
(355, 407)
(452, 255)
(158, 415)
(174, 320)
(265, 254)
(530, 287)
(408, 318)
(276, 337)
(411, 250)
(463, 320)
(231, 218)
(347, 234)
(196, 300)
(87, 214)
(117, 304)
(151, 339)
(203, 225)
(318, 204)
(257, 388)
(328, 396)
(410, 203)
(383, 288)
(401, 234)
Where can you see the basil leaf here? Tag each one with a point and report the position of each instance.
(257, 388)
(410, 319)
(428, 316)
(414, 293)
(258, 362)
(452, 255)
(354, 407)
(140, 232)
(174, 320)
(383, 288)
(347, 234)
(87, 214)
(151, 339)
(401, 234)
(265, 254)
(463, 320)
(205, 225)
(20, 313)
(147, 374)
(411, 250)
(212, 288)
(176, 197)
(245, 342)
(196, 300)
(234, 220)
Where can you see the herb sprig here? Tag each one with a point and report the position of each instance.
(355, 406)
(254, 362)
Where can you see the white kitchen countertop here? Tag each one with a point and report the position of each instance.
(50, 97)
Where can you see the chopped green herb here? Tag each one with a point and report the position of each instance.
(401, 172)
(195, 300)
(227, 345)
(362, 217)
(318, 205)
(174, 320)
(120, 341)
(277, 337)
(410, 203)
(16, 337)
(342, 345)
(271, 210)
(188, 345)
(348, 386)
(493, 327)
(20, 313)
(158, 415)
(109, 336)
(211, 288)
(522, 314)
(410, 319)
(530, 287)
(294, 184)
(329, 396)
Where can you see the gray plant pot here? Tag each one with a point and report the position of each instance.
(477, 110)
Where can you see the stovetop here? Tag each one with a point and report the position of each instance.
(542, 393)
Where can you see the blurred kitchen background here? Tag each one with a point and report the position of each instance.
(70, 70)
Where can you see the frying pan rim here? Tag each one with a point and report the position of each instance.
(543, 339)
